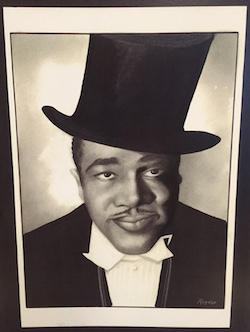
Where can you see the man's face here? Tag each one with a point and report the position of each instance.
(129, 195)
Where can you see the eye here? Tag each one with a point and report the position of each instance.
(154, 172)
(106, 176)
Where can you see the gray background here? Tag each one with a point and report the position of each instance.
(48, 70)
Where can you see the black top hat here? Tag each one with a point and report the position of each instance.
(136, 93)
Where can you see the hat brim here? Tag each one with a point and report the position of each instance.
(184, 142)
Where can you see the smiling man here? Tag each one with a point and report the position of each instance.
(130, 195)
(131, 243)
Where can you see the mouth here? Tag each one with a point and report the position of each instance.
(134, 223)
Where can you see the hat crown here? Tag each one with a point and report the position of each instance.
(137, 88)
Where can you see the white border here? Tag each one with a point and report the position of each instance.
(100, 20)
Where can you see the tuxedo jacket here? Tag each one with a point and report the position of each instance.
(57, 274)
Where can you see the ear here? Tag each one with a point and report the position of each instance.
(75, 174)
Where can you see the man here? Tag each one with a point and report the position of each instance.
(132, 243)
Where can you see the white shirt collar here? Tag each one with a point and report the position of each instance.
(104, 254)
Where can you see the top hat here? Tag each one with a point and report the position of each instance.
(136, 93)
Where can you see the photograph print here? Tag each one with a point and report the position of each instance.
(125, 149)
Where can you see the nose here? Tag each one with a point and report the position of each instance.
(133, 191)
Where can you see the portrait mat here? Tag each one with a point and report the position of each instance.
(142, 20)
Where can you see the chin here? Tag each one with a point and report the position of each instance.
(134, 248)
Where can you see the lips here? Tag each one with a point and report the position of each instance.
(134, 223)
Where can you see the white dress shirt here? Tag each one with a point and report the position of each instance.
(133, 280)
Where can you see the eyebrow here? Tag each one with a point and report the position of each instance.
(103, 162)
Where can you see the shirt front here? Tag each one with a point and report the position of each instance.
(133, 280)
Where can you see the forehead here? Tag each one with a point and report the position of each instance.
(94, 151)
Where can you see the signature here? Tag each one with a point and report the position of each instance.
(203, 302)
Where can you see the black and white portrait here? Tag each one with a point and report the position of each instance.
(125, 142)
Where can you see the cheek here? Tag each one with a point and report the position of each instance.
(97, 197)
(161, 192)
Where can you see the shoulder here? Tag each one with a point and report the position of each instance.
(198, 231)
(190, 219)
(71, 227)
